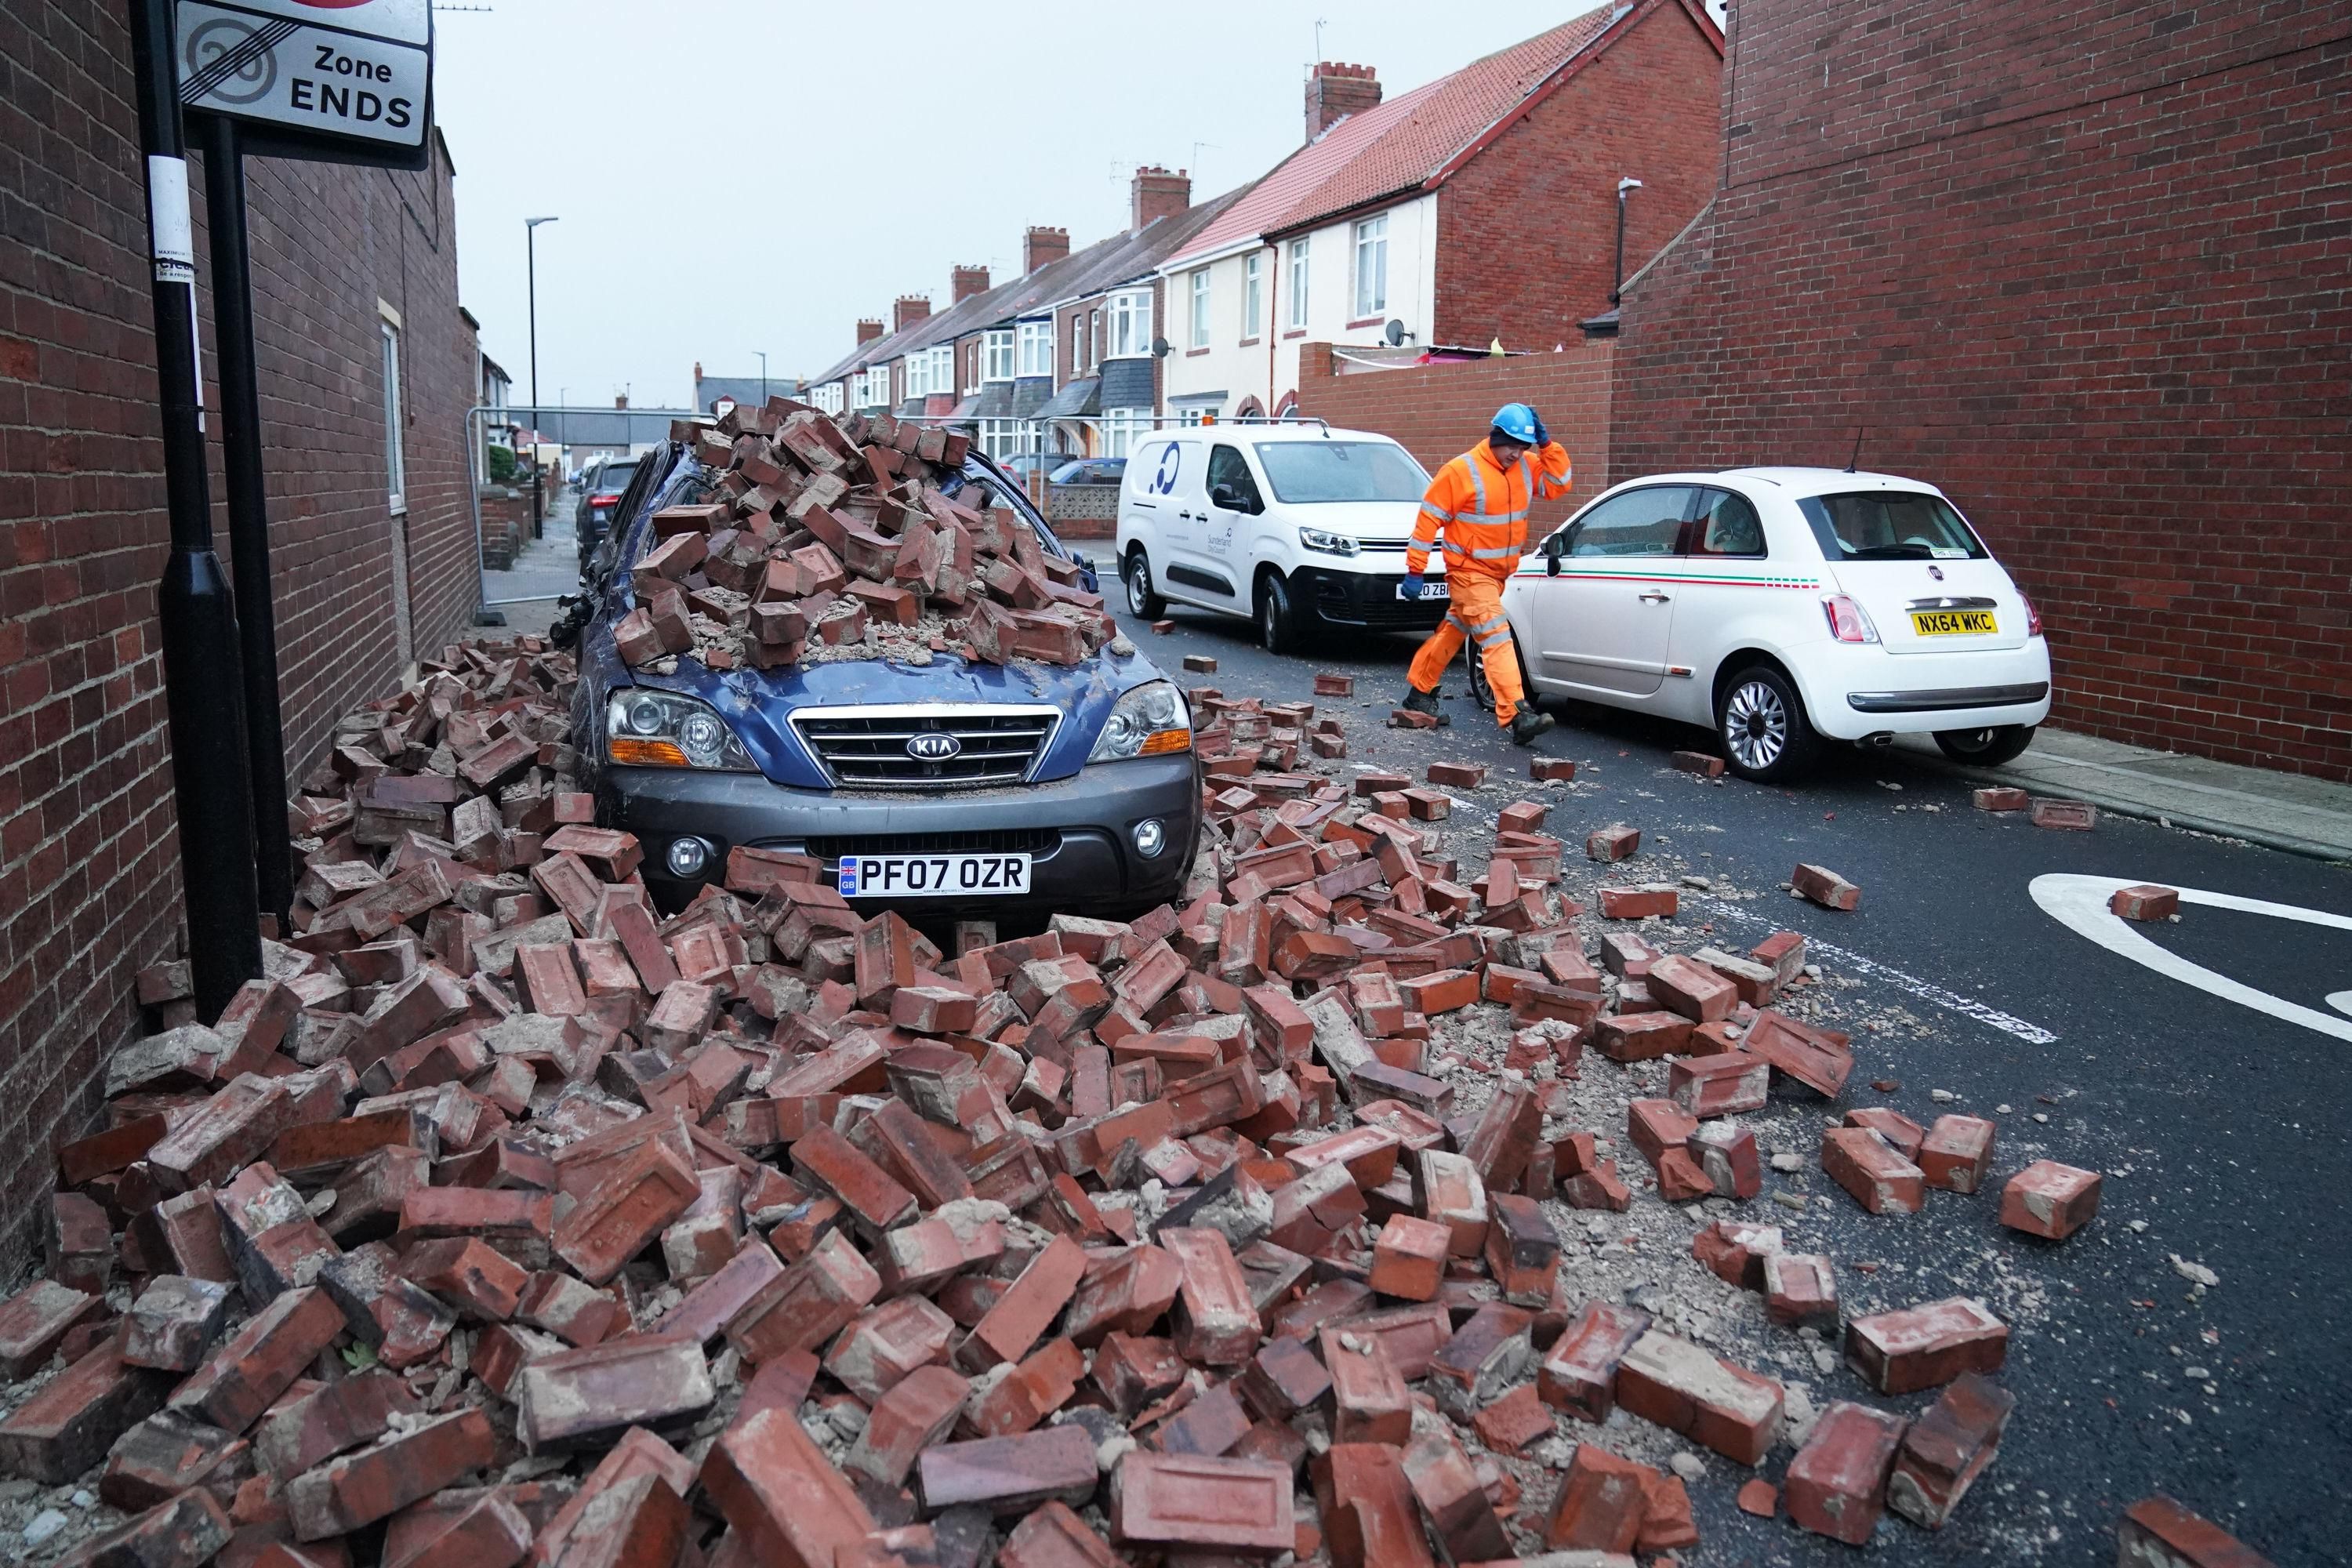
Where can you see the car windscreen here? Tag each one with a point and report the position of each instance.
(1890, 525)
(613, 478)
(1305, 472)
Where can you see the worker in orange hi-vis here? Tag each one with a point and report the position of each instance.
(1480, 500)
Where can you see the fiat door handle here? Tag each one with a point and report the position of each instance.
(1653, 595)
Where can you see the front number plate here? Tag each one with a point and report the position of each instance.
(1954, 622)
(932, 876)
(1433, 588)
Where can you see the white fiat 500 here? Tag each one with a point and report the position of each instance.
(1784, 607)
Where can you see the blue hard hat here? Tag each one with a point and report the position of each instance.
(1517, 421)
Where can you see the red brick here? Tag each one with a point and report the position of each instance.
(1368, 1398)
(1409, 1257)
(2049, 1200)
(249, 1371)
(776, 1488)
(2146, 902)
(563, 1402)
(808, 1303)
(1371, 1517)
(1734, 1251)
(1027, 1309)
(67, 1425)
(1957, 1154)
(631, 1206)
(299, 1434)
(1825, 887)
(1010, 1475)
(1835, 1484)
(1914, 1348)
(182, 1532)
(35, 1321)
(1599, 1505)
(1720, 1085)
(1902, 1135)
(359, 1489)
(2001, 798)
(1447, 1485)
(918, 1411)
(1514, 1421)
(1947, 1447)
(1693, 990)
(1640, 902)
(1800, 1288)
(1608, 845)
(1875, 1176)
(637, 1453)
(1682, 1388)
(1051, 1536)
(174, 1321)
(1188, 1501)
(2071, 815)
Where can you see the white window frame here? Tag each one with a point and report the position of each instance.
(1252, 293)
(1200, 286)
(1371, 252)
(1121, 427)
(996, 354)
(396, 461)
(1301, 275)
(1037, 346)
(1130, 325)
(1095, 344)
(918, 375)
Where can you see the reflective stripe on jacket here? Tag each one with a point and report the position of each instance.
(1482, 507)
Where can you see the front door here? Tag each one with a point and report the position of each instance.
(1228, 501)
(1602, 626)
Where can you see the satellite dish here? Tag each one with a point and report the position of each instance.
(1396, 334)
(1160, 347)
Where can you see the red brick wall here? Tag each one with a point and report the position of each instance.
(85, 820)
(1440, 411)
(1528, 228)
(2086, 266)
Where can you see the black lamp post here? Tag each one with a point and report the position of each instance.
(530, 263)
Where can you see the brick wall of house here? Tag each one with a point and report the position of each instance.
(2083, 264)
(1527, 229)
(1440, 411)
(87, 847)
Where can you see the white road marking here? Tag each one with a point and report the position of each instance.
(2080, 903)
(1926, 990)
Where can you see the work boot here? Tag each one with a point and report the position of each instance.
(1526, 724)
(1419, 701)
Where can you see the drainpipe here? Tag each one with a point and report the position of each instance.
(1628, 184)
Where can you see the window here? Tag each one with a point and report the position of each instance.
(1889, 526)
(395, 467)
(1727, 525)
(1131, 324)
(1229, 469)
(1309, 471)
(1299, 284)
(1201, 308)
(1036, 348)
(999, 438)
(1093, 349)
(1639, 522)
(996, 355)
(873, 388)
(1121, 427)
(1253, 294)
(918, 375)
(1371, 266)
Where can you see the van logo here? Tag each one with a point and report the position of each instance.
(933, 747)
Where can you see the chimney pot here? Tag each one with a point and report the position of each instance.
(1042, 246)
(1154, 194)
(868, 328)
(1334, 91)
(963, 283)
(908, 309)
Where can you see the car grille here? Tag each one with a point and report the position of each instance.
(830, 849)
(866, 747)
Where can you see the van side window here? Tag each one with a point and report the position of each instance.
(1229, 470)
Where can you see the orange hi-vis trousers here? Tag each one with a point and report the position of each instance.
(1477, 613)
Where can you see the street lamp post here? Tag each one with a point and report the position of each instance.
(530, 264)
(764, 378)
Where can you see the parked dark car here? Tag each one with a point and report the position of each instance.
(1025, 788)
(1021, 465)
(601, 489)
(1090, 471)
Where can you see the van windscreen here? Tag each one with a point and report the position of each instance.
(1304, 472)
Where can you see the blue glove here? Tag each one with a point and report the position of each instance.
(1543, 437)
(1410, 587)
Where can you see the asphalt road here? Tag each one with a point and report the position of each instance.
(2219, 1130)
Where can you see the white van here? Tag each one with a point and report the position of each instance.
(1293, 524)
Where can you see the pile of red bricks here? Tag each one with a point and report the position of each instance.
(508, 1220)
(807, 529)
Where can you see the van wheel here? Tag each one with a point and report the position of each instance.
(1986, 748)
(1140, 600)
(1762, 723)
(1278, 628)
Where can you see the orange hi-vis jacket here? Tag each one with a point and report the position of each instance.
(1483, 508)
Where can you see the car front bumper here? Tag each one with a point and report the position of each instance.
(1852, 692)
(1366, 599)
(1078, 831)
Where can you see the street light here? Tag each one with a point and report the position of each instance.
(537, 481)
(764, 378)
(1624, 187)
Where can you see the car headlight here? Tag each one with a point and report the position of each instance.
(665, 729)
(1149, 721)
(1326, 542)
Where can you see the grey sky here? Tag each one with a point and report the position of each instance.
(742, 175)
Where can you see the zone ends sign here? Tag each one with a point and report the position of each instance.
(323, 78)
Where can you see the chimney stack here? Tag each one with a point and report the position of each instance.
(1042, 248)
(1156, 194)
(910, 309)
(620, 400)
(963, 283)
(1335, 91)
(868, 328)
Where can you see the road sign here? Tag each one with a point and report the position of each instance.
(338, 80)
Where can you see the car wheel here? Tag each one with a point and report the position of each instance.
(1762, 723)
(1279, 629)
(1987, 748)
(1481, 691)
(1140, 600)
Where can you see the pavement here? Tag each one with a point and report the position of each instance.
(2199, 1066)
(545, 570)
